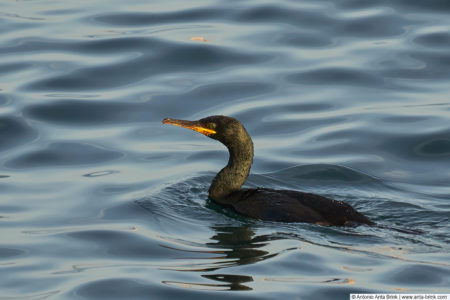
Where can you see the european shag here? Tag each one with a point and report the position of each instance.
(263, 203)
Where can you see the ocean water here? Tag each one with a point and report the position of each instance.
(98, 200)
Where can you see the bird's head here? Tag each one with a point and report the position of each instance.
(222, 128)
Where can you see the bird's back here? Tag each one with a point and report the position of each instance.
(293, 206)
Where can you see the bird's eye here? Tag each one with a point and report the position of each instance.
(211, 125)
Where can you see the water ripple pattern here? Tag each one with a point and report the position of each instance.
(348, 99)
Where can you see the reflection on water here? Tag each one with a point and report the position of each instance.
(239, 246)
(232, 246)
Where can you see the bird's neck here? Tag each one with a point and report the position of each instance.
(233, 176)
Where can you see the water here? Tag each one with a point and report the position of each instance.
(347, 99)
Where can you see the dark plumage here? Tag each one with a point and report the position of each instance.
(262, 203)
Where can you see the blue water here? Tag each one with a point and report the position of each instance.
(348, 99)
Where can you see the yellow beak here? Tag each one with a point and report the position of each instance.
(193, 125)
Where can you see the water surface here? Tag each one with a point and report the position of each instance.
(347, 99)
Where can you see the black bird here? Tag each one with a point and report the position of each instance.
(263, 203)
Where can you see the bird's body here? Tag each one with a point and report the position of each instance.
(263, 203)
(293, 206)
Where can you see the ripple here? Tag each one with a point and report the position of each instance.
(421, 146)
(63, 154)
(13, 67)
(200, 96)
(74, 112)
(92, 47)
(398, 120)
(284, 15)
(132, 244)
(7, 253)
(4, 99)
(101, 173)
(322, 172)
(434, 39)
(357, 4)
(302, 39)
(20, 17)
(432, 5)
(402, 5)
(116, 288)
(14, 132)
(426, 65)
(148, 18)
(227, 283)
(183, 201)
(86, 113)
(435, 147)
(414, 275)
(374, 26)
(336, 76)
(166, 58)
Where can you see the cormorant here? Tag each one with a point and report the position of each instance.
(263, 203)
